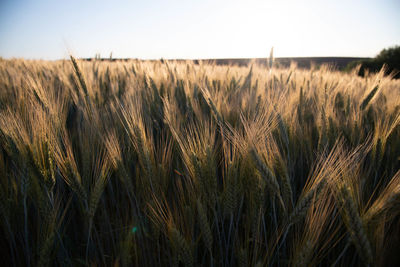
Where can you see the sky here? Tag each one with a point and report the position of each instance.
(154, 29)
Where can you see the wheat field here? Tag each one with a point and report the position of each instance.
(179, 164)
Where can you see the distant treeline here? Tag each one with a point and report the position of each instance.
(389, 57)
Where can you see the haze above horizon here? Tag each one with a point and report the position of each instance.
(156, 29)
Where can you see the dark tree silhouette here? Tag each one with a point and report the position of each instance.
(388, 56)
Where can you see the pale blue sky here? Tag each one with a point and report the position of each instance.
(197, 29)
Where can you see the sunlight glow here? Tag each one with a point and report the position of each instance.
(197, 29)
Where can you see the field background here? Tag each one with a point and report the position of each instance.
(339, 63)
(169, 163)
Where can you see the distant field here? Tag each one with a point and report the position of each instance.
(302, 62)
(160, 163)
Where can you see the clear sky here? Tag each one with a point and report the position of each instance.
(45, 29)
